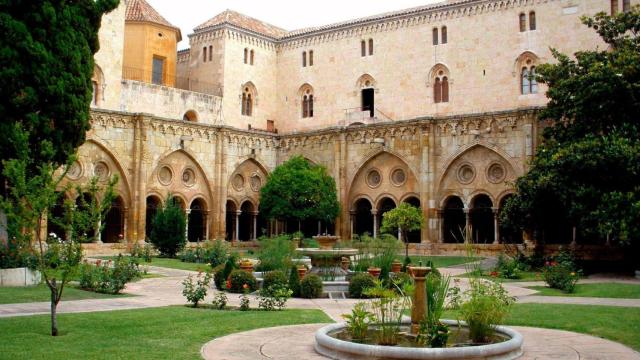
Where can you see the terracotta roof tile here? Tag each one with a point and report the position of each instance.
(243, 21)
(140, 10)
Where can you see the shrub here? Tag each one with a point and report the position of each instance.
(195, 292)
(359, 282)
(244, 302)
(358, 321)
(222, 273)
(311, 286)
(217, 252)
(142, 252)
(294, 281)
(274, 297)
(238, 279)
(486, 306)
(109, 277)
(561, 276)
(168, 230)
(220, 301)
(274, 278)
(275, 253)
(508, 268)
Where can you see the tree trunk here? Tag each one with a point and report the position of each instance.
(54, 319)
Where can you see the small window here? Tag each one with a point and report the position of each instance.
(204, 54)
(251, 57)
(526, 84)
(523, 22)
(310, 57)
(310, 104)
(614, 7)
(441, 87)
(437, 91)
(532, 20)
(363, 48)
(210, 52)
(443, 34)
(247, 102)
(158, 71)
(435, 36)
(370, 46)
(626, 5)
(445, 89)
(304, 59)
(246, 55)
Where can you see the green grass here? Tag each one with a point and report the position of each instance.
(603, 290)
(443, 261)
(621, 324)
(14, 295)
(174, 332)
(524, 276)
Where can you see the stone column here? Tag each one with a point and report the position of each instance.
(440, 214)
(419, 301)
(98, 232)
(206, 224)
(496, 229)
(255, 225)
(374, 213)
(186, 230)
(236, 236)
(319, 227)
(125, 212)
(467, 226)
(352, 215)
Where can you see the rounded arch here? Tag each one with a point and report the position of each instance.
(366, 81)
(445, 197)
(180, 200)
(362, 216)
(453, 220)
(197, 220)
(361, 197)
(247, 204)
(153, 203)
(477, 194)
(382, 197)
(413, 200)
(482, 219)
(114, 222)
(502, 196)
(304, 88)
(190, 115)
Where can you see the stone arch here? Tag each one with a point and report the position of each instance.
(366, 81)
(435, 70)
(99, 85)
(245, 183)
(361, 216)
(382, 197)
(482, 218)
(522, 60)
(153, 202)
(453, 219)
(197, 220)
(190, 115)
(113, 230)
(414, 200)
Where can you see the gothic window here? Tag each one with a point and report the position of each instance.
(523, 22)
(307, 101)
(251, 58)
(363, 48)
(528, 83)
(441, 87)
(614, 7)
(443, 34)
(370, 46)
(532, 20)
(246, 55)
(310, 57)
(435, 36)
(304, 59)
(204, 54)
(247, 102)
(626, 5)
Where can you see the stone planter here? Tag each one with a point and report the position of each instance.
(396, 266)
(19, 277)
(326, 242)
(247, 266)
(374, 271)
(302, 271)
(340, 349)
(344, 263)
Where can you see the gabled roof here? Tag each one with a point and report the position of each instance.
(140, 10)
(244, 22)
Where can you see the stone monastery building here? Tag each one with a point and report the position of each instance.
(432, 105)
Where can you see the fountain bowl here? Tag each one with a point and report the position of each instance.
(326, 242)
(334, 348)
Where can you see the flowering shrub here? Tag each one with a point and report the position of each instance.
(561, 276)
(109, 277)
(196, 291)
(220, 300)
(274, 297)
(145, 252)
(238, 279)
(244, 302)
(508, 268)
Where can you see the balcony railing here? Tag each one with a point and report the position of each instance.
(163, 79)
(365, 116)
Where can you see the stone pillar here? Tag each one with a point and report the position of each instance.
(419, 301)
(206, 224)
(440, 223)
(467, 226)
(319, 227)
(125, 212)
(98, 232)
(255, 225)
(186, 230)
(352, 215)
(374, 213)
(496, 229)
(236, 236)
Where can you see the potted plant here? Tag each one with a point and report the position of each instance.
(374, 271)
(246, 265)
(344, 263)
(396, 266)
(302, 271)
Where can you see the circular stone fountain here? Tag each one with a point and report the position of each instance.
(326, 260)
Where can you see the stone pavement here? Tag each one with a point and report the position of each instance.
(296, 342)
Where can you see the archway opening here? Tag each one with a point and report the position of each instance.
(413, 236)
(453, 228)
(190, 116)
(153, 204)
(482, 220)
(248, 212)
(363, 220)
(230, 222)
(384, 205)
(113, 230)
(197, 229)
(83, 203)
(509, 236)
(56, 218)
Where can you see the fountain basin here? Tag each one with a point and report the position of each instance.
(346, 350)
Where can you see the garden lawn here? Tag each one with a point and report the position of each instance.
(444, 261)
(38, 293)
(174, 332)
(621, 324)
(603, 290)
(524, 276)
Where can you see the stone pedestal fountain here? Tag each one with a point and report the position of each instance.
(419, 301)
(326, 260)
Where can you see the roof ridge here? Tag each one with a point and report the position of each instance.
(141, 10)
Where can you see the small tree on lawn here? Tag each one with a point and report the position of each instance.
(298, 190)
(168, 232)
(405, 218)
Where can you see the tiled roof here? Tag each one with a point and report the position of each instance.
(260, 27)
(140, 10)
(243, 21)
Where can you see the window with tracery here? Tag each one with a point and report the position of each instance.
(307, 104)
(441, 87)
(247, 102)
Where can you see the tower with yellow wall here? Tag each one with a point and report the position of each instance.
(150, 45)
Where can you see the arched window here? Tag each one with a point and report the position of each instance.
(251, 58)
(310, 103)
(443, 34)
(523, 22)
(249, 105)
(363, 48)
(435, 36)
(441, 86)
(445, 89)
(247, 102)
(526, 84)
(246, 55)
(204, 54)
(210, 52)
(533, 82)
(532, 20)
(304, 59)
(307, 101)
(370, 46)
(310, 57)
(437, 91)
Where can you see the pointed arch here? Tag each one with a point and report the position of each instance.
(123, 182)
(366, 81)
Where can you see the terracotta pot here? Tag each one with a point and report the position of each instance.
(246, 266)
(345, 263)
(396, 266)
(302, 271)
(374, 271)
